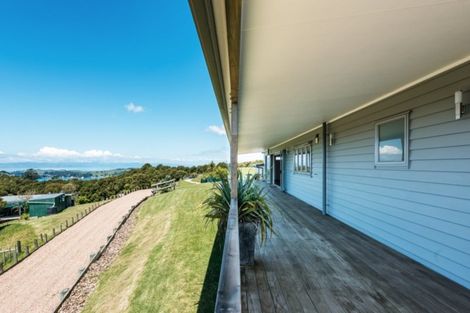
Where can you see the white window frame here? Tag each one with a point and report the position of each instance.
(303, 154)
(405, 161)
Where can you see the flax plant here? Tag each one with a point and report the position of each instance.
(252, 205)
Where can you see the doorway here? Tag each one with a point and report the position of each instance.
(277, 177)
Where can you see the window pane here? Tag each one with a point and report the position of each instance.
(391, 141)
(309, 159)
(296, 160)
(303, 160)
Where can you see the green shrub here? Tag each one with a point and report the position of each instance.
(252, 205)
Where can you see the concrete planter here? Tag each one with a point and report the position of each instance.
(247, 233)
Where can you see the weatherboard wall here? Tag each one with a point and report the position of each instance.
(422, 210)
(306, 187)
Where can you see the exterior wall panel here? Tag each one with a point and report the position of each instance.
(422, 210)
(306, 187)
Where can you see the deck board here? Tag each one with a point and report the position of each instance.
(318, 264)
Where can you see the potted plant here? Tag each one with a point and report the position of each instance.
(254, 214)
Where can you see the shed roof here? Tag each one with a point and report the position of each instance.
(10, 199)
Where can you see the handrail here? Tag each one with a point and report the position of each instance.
(229, 290)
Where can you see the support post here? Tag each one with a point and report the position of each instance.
(18, 246)
(234, 151)
(324, 167)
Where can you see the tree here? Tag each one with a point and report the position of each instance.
(69, 187)
(211, 166)
(147, 166)
(222, 165)
(24, 201)
(31, 174)
(3, 204)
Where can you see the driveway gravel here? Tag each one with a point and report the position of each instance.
(35, 284)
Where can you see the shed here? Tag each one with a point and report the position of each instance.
(39, 205)
(42, 205)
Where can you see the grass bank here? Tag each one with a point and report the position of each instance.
(169, 264)
(28, 230)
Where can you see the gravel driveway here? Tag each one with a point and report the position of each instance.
(35, 284)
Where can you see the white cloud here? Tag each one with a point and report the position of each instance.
(390, 150)
(219, 130)
(60, 153)
(1, 152)
(99, 154)
(134, 108)
(51, 152)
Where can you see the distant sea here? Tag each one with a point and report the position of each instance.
(21, 166)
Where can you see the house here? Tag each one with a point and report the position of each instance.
(41, 204)
(362, 112)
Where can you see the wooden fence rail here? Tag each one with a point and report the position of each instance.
(164, 186)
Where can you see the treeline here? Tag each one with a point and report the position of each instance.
(99, 189)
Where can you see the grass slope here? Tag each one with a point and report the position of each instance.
(28, 230)
(169, 264)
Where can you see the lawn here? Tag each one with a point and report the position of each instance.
(171, 261)
(247, 170)
(28, 230)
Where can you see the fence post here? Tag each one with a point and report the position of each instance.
(77, 217)
(66, 224)
(15, 257)
(53, 231)
(42, 238)
(45, 236)
(1, 268)
(36, 244)
(27, 250)
(18, 246)
(73, 221)
(60, 227)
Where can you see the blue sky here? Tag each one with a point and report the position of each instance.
(104, 81)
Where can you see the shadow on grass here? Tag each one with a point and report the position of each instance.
(209, 289)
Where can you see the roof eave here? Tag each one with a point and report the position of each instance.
(204, 20)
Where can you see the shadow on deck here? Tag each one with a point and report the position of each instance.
(318, 264)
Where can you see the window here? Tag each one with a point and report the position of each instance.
(391, 141)
(303, 159)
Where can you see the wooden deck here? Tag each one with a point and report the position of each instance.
(318, 264)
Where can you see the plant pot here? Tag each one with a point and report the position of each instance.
(247, 235)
